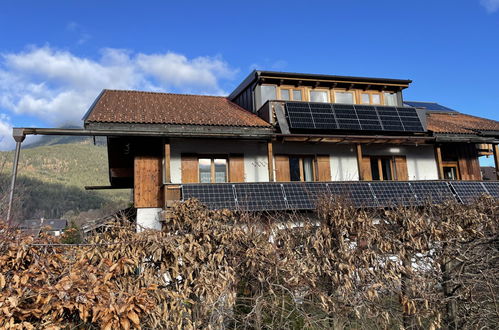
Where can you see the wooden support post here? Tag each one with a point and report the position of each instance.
(438, 158)
(13, 181)
(495, 149)
(166, 169)
(270, 161)
(359, 161)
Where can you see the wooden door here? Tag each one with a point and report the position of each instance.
(236, 168)
(323, 168)
(189, 168)
(282, 168)
(147, 181)
(401, 168)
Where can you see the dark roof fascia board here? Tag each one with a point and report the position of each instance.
(89, 111)
(468, 138)
(149, 131)
(256, 74)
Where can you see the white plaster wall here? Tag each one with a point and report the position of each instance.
(148, 218)
(255, 156)
(421, 163)
(342, 158)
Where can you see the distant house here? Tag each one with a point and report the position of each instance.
(50, 226)
(489, 173)
(279, 139)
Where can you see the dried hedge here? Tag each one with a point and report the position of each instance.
(341, 267)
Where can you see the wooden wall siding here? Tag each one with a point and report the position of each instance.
(236, 168)
(148, 182)
(189, 168)
(282, 168)
(495, 149)
(270, 161)
(365, 169)
(401, 168)
(469, 166)
(323, 168)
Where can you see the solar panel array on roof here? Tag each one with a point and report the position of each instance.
(431, 106)
(330, 116)
(273, 196)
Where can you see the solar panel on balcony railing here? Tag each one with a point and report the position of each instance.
(214, 196)
(304, 195)
(260, 197)
(467, 192)
(391, 194)
(492, 188)
(433, 192)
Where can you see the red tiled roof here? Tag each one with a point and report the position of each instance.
(114, 106)
(458, 123)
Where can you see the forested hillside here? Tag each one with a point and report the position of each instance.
(52, 177)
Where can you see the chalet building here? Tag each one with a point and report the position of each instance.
(278, 135)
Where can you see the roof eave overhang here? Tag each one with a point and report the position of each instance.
(350, 139)
(464, 138)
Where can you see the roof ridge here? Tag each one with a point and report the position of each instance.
(163, 93)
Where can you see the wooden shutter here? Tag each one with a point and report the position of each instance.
(401, 168)
(469, 166)
(236, 168)
(365, 169)
(323, 168)
(147, 181)
(282, 168)
(190, 168)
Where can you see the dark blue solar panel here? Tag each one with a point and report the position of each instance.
(467, 191)
(214, 196)
(392, 193)
(433, 192)
(260, 197)
(429, 106)
(492, 188)
(358, 193)
(304, 195)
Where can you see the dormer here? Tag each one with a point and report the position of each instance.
(262, 86)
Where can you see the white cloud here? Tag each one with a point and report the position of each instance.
(6, 140)
(490, 5)
(57, 86)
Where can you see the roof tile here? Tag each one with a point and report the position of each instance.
(458, 123)
(115, 106)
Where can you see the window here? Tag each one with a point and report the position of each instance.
(319, 96)
(370, 98)
(344, 97)
(301, 168)
(288, 94)
(381, 168)
(212, 170)
(451, 170)
(268, 92)
(390, 99)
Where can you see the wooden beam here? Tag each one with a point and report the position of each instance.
(495, 150)
(438, 158)
(270, 161)
(359, 161)
(166, 169)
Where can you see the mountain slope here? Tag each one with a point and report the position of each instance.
(52, 178)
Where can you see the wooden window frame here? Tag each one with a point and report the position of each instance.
(454, 164)
(344, 90)
(291, 89)
(315, 165)
(371, 93)
(379, 159)
(319, 89)
(212, 166)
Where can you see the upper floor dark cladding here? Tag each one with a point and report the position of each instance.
(262, 86)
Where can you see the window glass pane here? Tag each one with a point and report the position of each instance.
(318, 96)
(285, 94)
(450, 173)
(376, 98)
(297, 95)
(268, 93)
(344, 97)
(374, 169)
(204, 170)
(308, 172)
(387, 169)
(220, 170)
(390, 99)
(294, 168)
(364, 98)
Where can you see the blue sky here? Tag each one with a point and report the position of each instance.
(55, 56)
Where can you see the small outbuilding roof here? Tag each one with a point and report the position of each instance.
(137, 107)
